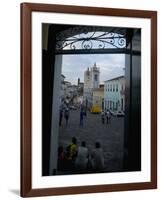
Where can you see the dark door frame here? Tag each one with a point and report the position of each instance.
(48, 71)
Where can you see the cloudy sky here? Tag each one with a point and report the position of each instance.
(111, 65)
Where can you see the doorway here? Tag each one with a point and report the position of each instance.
(64, 40)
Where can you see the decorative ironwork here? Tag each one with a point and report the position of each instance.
(86, 39)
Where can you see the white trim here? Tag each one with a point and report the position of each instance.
(93, 179)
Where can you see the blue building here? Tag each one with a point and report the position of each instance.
(114, 94)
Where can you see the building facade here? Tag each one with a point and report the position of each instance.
(114, 94)
(91, 82)
(98, 99)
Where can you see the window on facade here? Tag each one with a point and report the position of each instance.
(122, 87)
(95, 77)
(113, 88)
(116, 87)
(111, 104)
(116, 105)
(122, 103)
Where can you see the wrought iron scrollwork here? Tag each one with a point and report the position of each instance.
(86, 39)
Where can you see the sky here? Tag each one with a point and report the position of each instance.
(111, 66)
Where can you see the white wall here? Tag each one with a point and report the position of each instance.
(9, 99)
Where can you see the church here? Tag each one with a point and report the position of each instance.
(91, 82)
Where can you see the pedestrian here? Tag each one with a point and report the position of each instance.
(107, 117)
(97, 158)
(60, 116)
(81, 117)
(82, 157)
(103, 117)
(85, 112)
(66, 115)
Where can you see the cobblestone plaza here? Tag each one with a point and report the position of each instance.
(109, 135)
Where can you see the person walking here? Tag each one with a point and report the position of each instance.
(85, 111)
(107, 117)
(60, 116)
(66, 115)
(81, 117)
(103, 117)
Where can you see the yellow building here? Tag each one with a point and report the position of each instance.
(97, 100)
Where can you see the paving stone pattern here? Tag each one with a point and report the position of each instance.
(109, 135)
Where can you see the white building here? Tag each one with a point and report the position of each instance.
(71, 90)
(91, 81)
(114, 94)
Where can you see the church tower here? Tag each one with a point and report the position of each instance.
(92, 77)
(91, 81)
(87, 78)
(95, 76)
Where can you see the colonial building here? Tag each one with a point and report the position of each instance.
(98, 99)
(114, 94)
(91, 82)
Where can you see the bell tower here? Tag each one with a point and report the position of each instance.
(95, 76)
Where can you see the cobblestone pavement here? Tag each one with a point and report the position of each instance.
(109, 135)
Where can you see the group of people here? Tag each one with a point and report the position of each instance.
(63, 113)
(78, 158)
(106, 115)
